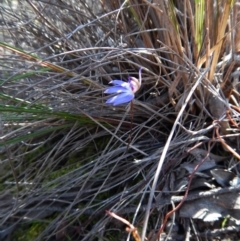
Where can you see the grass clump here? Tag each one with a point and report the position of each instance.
(67, 156)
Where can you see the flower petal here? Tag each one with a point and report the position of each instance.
(120, 83)
(115, 89)
(117, 82)
(121, 98)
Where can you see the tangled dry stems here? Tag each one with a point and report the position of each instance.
(66, 172)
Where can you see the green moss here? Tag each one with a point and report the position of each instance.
(78, 159)
(29, 232)
(31, 155)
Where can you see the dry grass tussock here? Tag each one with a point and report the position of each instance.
(67, 157)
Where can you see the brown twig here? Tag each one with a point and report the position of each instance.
(231, 120)
(131, 228)
(225, 144)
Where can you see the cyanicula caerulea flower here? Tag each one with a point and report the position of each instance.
(124, 90)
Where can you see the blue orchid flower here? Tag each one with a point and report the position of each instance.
(125, 91)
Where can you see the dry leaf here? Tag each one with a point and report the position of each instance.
(212, 208)
(218, 109)
(223, 177)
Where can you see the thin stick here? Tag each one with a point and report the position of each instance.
(131, 114)
(226, 145)
(131, 228)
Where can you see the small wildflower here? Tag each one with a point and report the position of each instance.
(125, 90)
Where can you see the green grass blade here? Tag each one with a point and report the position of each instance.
(24, 75)
(34, 134)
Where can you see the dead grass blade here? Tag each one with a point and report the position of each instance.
(222, 19)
